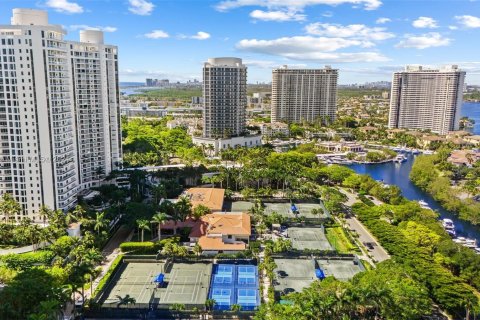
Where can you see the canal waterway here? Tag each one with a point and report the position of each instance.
(397, 174)
(472, 110)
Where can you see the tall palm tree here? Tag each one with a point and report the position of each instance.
(100, 222)
(159, 218)
(143, 225)
(9, 207)
(44, 213)
(183, 208)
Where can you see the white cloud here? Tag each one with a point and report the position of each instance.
(156, 34)
(75, 27)
(201, 35)
(468, 21)
(383, 20)
(355, 31)
(423, 41)
(319, 49)
(64, 6)
(278, 16)
(452, 27)
(141, 7)
(425, 22)
(327, 14)
(295, 4)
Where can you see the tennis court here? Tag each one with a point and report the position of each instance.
(184, 283)
(340, 269)
(134, 279)
(296, 274)
(235, 284)
(304, 209)
(309, 238)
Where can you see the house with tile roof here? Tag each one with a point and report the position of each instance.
(222, 232)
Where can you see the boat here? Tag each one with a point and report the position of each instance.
(400, 158)
(428, 152)
(451, 232)
(470, 243)
(424, 205)
(415, 151)
(477, 250)
(448, 224)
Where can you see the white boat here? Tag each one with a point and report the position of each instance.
(400, 158)
(415, 151)
(428, 152)
(470, 243)
(424, 205)
(448, 224)
(451, 232)
(477, 250)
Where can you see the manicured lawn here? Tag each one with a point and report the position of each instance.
(339, 240)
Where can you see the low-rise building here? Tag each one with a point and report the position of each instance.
(222, 232)
(209, 197)
(464, 157)
(274, 129)
(340, 146)
(475, 139)
(426, 141)
(218, 144)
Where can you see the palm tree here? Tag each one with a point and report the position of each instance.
(183, 208)
(159, 218)
(100, 222)
(44, 213)
(143, 225)
(127, 300)
(209, 304)
(236, 307)
(197, 249)
(9, 207)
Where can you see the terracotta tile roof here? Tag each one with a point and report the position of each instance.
(222, 223)
(188, 223)
(216, 243)
(210, 197)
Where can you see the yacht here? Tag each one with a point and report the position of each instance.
(400, 158)
(451, 232)
(424, 205)
(448, 224)
(470, 243)
(428, 152)
(415, 151)
(477, 250)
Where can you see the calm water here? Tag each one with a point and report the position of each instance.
(397, 174)
(472, 110)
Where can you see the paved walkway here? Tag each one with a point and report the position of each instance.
(24, 249)
(110, 253)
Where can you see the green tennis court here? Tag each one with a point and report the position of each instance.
(309, 238)
(185, 283)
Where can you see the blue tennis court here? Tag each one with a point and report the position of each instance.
(234, 284)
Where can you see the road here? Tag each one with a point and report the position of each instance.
(378, 253)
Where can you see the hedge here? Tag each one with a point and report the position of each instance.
(146, 247)
(106, 278)
(26, 260)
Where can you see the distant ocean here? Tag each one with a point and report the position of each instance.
(472, 110)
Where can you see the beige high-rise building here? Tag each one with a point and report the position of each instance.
(427, 99)
(304, 94)
(59, 112)
(224, 97)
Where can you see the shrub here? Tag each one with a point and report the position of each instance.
(113, 267)
(140, 247)
(27, 260)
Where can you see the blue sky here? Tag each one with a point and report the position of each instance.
(365, 39)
